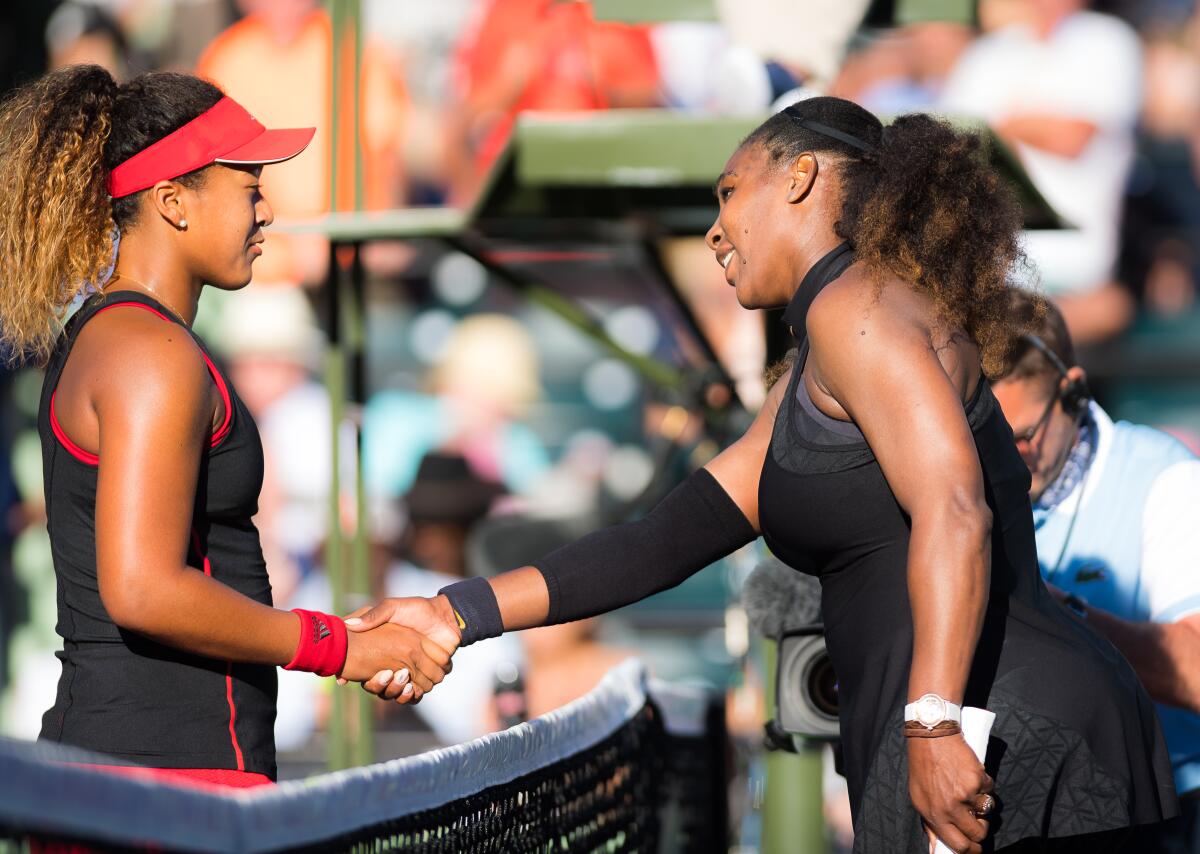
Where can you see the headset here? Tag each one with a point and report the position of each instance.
(1075, 396)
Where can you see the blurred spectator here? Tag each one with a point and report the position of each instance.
(563, 663)
(81, 33)
(701, 68)
(278, 61)
(809, 39)
(905, 69)
(523, 55)
(1037, 81)
(481, 386)
(11, 604)
(33, 642)
(1161, 239)
(270, 337)
(446, 501)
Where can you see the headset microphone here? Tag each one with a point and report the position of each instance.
(1075, 395)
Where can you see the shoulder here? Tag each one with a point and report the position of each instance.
(1149, 447)
(1086, 27)
(994, 47)
(858, 313)
(1177, 488)
(133, 350)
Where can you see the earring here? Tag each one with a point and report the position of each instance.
(183, 223)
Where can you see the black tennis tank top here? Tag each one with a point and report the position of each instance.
(123, 694)
(1075, 747)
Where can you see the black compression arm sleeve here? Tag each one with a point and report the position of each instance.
(696, 524)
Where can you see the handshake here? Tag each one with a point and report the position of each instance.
(400, 648)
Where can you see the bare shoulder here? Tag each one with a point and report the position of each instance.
(133, 351)
(860, 314)
(857, 322)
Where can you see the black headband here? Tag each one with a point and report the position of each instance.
(832, 133)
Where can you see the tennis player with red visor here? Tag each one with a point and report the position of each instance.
(136, 197)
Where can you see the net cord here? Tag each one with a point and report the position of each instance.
(39, 791)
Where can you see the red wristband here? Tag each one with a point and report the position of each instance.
(322, 647)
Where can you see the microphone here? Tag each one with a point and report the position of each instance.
(784, 604)
(779, 599)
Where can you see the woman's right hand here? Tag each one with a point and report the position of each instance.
(397, 655)
(944, 778)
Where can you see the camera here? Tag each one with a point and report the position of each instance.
(806, 690)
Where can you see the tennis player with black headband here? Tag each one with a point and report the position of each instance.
(152, 464)
(882, 459)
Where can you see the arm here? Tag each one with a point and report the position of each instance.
(1162, 654)
(1066, 137)
(523, 597)
(155, 412)
(1164, 649)
(882, 369)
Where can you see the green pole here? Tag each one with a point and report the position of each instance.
(793, 817)
(364, 753)
(335, 384)
(342, 741)
(360, 580)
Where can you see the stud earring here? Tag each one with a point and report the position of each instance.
(183, 223)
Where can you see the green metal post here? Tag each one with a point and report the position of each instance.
(793, 817)
(335, 384)
(360, 587)
(350, 737)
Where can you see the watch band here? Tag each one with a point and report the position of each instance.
(929, 710)
(914, 729)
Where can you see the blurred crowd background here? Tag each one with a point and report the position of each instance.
(491, 428)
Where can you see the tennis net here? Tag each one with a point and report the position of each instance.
(631, 767)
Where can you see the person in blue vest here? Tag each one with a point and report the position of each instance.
(1116, 509)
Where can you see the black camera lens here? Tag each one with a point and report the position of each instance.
(822, 685)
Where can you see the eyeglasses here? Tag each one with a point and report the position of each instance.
(1029, 435)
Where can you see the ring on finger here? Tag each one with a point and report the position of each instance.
(982, 805)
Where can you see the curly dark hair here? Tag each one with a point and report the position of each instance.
(60, 137)
(921, 204)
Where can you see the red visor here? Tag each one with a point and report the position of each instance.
(226, 133)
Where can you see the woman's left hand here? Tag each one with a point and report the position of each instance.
(944, 778)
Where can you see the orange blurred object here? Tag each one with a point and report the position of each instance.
(524, 55)
(288, 80)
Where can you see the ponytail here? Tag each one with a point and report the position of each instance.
(928, 209)
(60, 137)
(56, 229)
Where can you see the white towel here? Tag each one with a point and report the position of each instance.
(976, 727)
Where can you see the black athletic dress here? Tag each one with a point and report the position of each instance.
(1075, 748)
(120, 693)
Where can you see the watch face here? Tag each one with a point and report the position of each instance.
(931, 710)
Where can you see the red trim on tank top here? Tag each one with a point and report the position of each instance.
(64, 440)
(223, 430)
(91, 459)
(233, 739)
